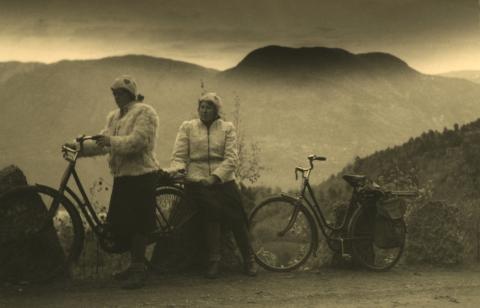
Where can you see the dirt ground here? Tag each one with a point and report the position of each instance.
(401, 287)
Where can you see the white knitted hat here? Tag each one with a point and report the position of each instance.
(214, 98)
(125, 82)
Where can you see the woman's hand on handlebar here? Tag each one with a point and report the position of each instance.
(102, 140)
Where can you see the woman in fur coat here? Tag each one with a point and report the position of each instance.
(129, 140)
(206, 148)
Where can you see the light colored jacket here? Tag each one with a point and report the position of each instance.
(132, 137)
(203, 151)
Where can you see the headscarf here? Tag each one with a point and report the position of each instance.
(214, 99)
(128, 83)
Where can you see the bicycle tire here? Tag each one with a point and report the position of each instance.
(274, 251)
(362, 242)
(23, 239)
(171, 214)
(169, 204)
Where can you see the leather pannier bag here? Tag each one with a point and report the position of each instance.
(389, 225)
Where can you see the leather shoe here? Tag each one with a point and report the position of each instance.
(136, 280)
(123, 275)
(250, 266)
(213, 270)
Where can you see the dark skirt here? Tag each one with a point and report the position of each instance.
(132, 205)
(219, 203)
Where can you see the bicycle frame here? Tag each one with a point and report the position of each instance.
(83, 203)
(306, 193)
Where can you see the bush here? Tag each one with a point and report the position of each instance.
(435, 234)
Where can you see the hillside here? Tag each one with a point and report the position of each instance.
(473, 76)
(56, 102)
(294, 102)
(10, 69)
(445, 165)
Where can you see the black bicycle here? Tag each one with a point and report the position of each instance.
(284, 227)
(34, 218)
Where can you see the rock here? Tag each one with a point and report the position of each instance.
(24, 257)
(11, 177)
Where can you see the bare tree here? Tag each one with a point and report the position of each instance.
(249, 166)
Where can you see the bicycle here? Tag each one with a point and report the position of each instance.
(284, 227)
(44, 209)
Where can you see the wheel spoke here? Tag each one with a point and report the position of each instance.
(282, 234)
(171, 214)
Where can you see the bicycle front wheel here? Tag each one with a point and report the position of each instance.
(364, 250)
(37, 244)
(283, 234)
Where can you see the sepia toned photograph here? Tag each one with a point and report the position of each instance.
(240, 153)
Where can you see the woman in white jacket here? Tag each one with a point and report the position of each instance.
(206, 148)
(129, 139)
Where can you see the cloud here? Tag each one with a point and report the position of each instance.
(226, 30)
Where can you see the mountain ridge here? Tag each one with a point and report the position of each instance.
(321, 60)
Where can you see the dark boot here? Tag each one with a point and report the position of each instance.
(250, 267)
(242, 237)
(213, 238)
(136, 278)
(122, 275)
(213, 270)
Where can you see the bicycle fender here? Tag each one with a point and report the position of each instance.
(173, 187)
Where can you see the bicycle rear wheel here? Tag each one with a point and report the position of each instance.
(36, 246)
(171, 214)
(170, 211)
(365, 252)
(283, 234)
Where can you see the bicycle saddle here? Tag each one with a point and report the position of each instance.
(354, 179)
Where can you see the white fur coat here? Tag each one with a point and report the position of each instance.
(132, 137)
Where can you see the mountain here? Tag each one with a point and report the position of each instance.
(315, 62)
(54, 103)
(473, 76)
(293, 102)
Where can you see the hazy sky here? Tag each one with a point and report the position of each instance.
(431, 35)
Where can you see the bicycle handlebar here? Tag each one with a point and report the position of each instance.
(311, 159)
(83, 138)
(315, 157)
